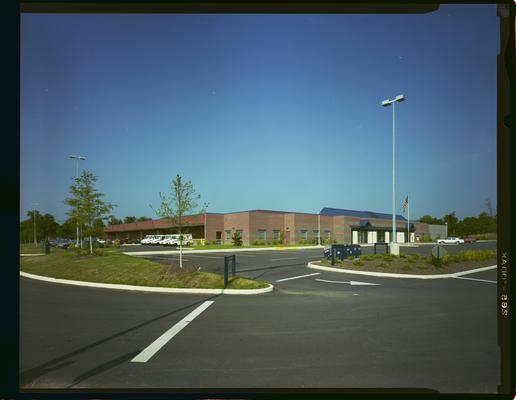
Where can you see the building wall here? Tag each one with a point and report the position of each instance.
(250, 222)
(236, 221)
(213, 223)
(435, 231)
(267, 221)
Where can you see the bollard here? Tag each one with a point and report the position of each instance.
(233, 266)
(225, 272)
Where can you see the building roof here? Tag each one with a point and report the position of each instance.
(361, 214)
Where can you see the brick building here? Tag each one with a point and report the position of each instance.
(343, 226)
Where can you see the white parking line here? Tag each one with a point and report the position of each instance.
(279, 259)
(473, 279)
(154, 347)
(297, 277)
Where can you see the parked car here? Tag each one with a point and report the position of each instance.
(450, 240)
(146, 239)
(470, 240)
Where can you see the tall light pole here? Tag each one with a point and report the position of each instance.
(394, 245)
(34, 217)
(77, 159)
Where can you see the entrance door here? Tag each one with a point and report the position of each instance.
(218, 236)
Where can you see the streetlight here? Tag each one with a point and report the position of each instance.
(77, 159)
(386, 103)
(34, 217)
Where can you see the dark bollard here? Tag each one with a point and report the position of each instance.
(233, 265)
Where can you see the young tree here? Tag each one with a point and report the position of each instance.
(87, 204)
(182, 201)
(237, 239)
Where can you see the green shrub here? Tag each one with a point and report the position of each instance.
(415, 256)
(381, 265)
(259, 243)
(358, 262)
(406, 268)
(368, 257)
(410, 260)
(402, 255)
(388, 257)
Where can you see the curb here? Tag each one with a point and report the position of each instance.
(393, 275)
(30, 255)
(142, 253)
(148, 288)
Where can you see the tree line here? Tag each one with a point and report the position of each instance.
(482, 224)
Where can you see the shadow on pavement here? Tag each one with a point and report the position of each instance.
(31, 374)
(104, 367)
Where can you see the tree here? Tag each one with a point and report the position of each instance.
(141, 219)
(129, 219)
(87, 204)
(428, 219)
(114, 221)
(237, 239)
(451, 220)
(67, 229)
(182, 201)
(47, 226)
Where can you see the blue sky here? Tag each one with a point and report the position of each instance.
(276, 112)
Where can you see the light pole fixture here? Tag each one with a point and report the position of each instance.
(386, 103)
(77, 158)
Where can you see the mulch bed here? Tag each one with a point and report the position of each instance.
(420, 267)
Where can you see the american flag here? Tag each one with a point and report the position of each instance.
(405, 204)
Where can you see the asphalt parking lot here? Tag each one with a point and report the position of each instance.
(313, 331)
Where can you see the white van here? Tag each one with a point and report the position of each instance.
(146, 239)
(155, 239)
(173, 240)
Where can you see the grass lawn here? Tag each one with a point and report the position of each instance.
(417, 264)
(31, 248)
(117, 268)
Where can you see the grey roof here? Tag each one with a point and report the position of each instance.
(361, 214)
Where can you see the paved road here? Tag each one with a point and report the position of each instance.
(314, 331)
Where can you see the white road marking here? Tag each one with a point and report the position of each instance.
(154, 347)
(279, 259)
(355, 283)
(297, 277)
(473, 279)
(316, 257)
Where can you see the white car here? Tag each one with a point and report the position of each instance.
(450, 240)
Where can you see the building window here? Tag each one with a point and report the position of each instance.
(228, 234)
(327, 234)
(304, 234)
(275, 234)
(261, 234)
